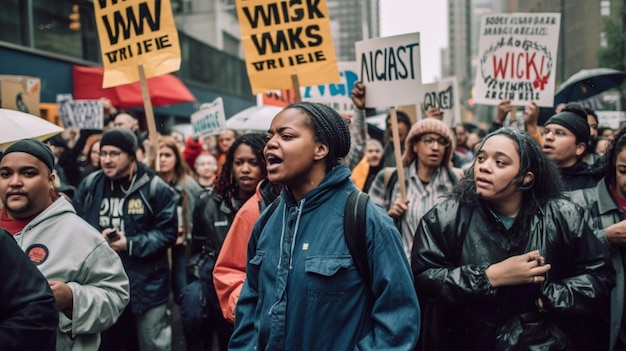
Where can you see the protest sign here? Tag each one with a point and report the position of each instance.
(335, 95)
(443, 95)
(280, 98)
(282, 39)
(210, 119)
(517, 55)
(133, 33)
(20, 93)
(390, 69)
(611, 119)
(81, 114)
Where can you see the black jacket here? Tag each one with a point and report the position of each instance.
(456, 243)
(579, 176)
(212, 217)
(151, 228)
(28, 315)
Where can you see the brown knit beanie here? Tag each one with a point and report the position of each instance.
(426, 126)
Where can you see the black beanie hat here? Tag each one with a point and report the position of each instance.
(122, 138)
(330, 127)
(33, 147)
(574, 123)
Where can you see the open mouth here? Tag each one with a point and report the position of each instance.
(273, 162)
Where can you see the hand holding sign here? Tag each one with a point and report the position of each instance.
(358, 96)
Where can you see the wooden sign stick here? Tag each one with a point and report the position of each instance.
(397, 152)
(296, 87)
(147, 103)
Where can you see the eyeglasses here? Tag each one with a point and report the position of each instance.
(441, 141)
(113, 154)
(556, 132)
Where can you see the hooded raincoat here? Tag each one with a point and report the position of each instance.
(302, 290)
(455, 243)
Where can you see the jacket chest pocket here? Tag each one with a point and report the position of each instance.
(329, 278)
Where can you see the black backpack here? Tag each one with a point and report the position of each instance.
(353, 230)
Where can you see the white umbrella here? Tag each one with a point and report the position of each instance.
(16, 125)
(255, 118)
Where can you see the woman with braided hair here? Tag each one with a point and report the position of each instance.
(213, 215)
(303, 290)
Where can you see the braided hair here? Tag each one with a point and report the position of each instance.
(329, 128)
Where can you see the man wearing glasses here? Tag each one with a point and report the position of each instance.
(134, 211)
(428, 174)
(565, 139)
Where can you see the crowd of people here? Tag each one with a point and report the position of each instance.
(504, 237)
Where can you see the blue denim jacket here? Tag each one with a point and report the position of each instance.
(302, 290)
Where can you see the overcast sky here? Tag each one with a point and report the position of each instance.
(428, 17)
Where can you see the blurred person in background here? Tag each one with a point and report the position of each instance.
(223, 141)
(175, 172)
(365, 171)
(213, 215)
(206, 170)
(91, 155)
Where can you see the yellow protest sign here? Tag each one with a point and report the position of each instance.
(282, 38)
(133, 33)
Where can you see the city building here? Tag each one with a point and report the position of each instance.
(46, 39)
(582, 29)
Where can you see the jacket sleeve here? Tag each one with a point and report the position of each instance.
(437, 277)
(164, 231)
(395, 311)
(100, 292)
(230, 268)
(245, 335)
(358, 138)
(193, 190)
(29, 317)
(79, 198)
(378, 191)
(589, 283)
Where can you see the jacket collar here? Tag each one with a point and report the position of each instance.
(606, 203)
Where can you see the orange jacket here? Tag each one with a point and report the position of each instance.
(360, 172)
(229, 272)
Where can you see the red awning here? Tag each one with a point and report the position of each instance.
(164, 90)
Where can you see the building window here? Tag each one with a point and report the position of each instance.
(231, 44)
(605, 7)
(603, 41)
(53, 32)
(11, 22)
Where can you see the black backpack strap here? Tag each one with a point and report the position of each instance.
(152, 193)
(354, 232)
(89, 188)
